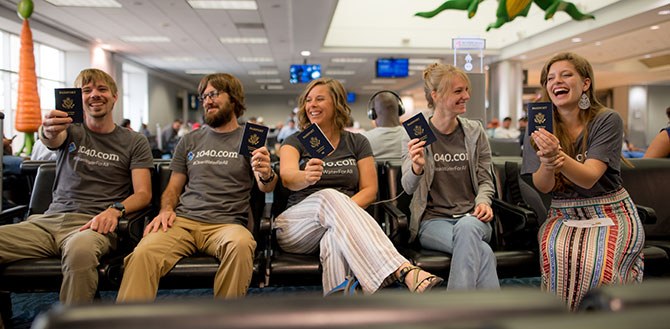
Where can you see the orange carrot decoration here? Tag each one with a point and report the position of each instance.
(28, 113)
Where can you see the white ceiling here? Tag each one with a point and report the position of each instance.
(363, 29)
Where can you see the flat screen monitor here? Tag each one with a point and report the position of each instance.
(392, 67)
(303, 73)
(351, 97)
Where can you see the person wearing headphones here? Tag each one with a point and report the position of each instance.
(384, 109)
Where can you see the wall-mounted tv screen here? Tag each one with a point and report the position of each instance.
(392, 67)
(351, 97)
(304, 73)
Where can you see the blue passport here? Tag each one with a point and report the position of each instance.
(417, 127)
(317, 144)
(253, 138)
(69, 101)
(540, 115)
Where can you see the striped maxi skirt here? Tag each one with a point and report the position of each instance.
(575, 260)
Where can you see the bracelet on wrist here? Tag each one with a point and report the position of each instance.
(41, 134)
(272, 177)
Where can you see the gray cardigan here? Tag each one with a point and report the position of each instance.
(479, 153)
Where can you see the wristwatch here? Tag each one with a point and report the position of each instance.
(272, 176)
(119, 206)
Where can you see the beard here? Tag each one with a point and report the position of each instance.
(220, 117)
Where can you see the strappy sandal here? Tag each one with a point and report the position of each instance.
(433, 280)
(349, 287)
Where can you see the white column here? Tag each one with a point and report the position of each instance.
(505, 90)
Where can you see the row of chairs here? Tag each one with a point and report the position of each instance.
(514, 239)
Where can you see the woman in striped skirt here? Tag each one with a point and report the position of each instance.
(593, 235)
(325, 210)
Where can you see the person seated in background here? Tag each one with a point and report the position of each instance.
(98, 164)
(205, 206)
(385, 108)
(326, 205)
(660, 145)
(286, 131)
(451, 183)
(580, 165)
(628, 150)
(491, 126)
(506, 131)
(170, 136)
(41, 152)
(11, 164)
(126, 124)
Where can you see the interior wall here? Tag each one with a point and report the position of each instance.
(658, 102)
(163, 107)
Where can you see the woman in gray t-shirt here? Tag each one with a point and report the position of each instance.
(326, 206)
(593, 235)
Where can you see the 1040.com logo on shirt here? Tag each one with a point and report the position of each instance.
(437, 157)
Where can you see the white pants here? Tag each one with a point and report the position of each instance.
(348, 237)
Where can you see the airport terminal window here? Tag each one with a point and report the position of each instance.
(135, 95)
(50, 69)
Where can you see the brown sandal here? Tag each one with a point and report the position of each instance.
(433, 279)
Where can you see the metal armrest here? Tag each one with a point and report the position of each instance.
(8, 215)
(131, 226)
(513, 218)
(395, 221)
(647, 214)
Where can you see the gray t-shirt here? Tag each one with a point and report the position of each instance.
(603, 143)
(451, 192)
(94, 170)
(340, 169)
(219, 179)
(386, 142)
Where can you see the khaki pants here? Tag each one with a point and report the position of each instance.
(58, 235)
(158, 252)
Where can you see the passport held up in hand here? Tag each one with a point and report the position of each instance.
(317, 144)
(253, 138)
(540, 115)
(69, 100)
(417, 127)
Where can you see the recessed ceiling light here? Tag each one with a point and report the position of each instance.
(383, 81)
(426, 61)
(105, 46)
(575, 40)
(264, 72)
(275, 87)
(145, 39)
(200, 72)
(179, 59)
(348, 60)
(340, 72)
(598, 43)
(86, 3)
(417, 67)
(486, 67)
(305, 53)
(654, 27)
(268, 80)
(223, 4)
(372, 87)
(523, 56)
(647, 56)
(664, 12)
(255, 59)
(236, 40)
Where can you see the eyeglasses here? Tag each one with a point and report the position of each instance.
(211, 94)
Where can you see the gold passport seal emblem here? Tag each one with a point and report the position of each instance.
(314, 142)
(68, 103)
(418, 130)
(540, 118)
(254, 139)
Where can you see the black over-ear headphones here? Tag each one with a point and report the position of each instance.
(372, 114)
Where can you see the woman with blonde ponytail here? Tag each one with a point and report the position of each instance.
(451, 183)
(593, 235)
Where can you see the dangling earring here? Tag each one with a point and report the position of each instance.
(584, 102)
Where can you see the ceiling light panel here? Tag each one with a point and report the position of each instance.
(340, 72)
(349, 60)
(200, 72)
(242, 40)
(383, 81)
(426, 61)
(223, 4)
(264, 72)
(255, 59)
(268, 80)
(145, 39)
(86, 3)
(275, 87)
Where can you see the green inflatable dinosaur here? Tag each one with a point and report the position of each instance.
(508, 10)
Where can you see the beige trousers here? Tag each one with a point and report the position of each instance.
(58, 235)
(158, 252)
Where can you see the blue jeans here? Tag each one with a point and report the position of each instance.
(473, 265)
